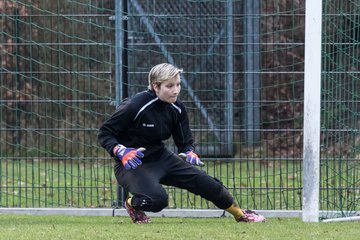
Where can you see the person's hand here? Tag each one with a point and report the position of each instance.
(191, 158)
(129, 156)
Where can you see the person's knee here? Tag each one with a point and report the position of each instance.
(159, 202)
(151, 202)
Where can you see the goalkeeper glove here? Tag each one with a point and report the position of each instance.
(191, 158)
(129, 156)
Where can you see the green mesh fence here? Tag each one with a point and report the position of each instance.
(242, 84)
(340, 169)
(56, 74)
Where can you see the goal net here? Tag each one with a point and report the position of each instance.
(340, 121)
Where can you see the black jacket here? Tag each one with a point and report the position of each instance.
(143, 120)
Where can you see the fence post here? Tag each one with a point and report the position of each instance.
(252, 71)
(229, 112)
(120, 75)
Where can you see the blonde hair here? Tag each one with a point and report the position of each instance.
(161, 73)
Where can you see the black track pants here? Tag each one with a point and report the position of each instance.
(145, 183)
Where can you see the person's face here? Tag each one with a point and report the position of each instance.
(169, 90)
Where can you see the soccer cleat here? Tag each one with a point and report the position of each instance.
(251, 216)
(137, 216)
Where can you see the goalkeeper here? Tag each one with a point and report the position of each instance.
(134, 137)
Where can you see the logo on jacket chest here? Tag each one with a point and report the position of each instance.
(148, 125)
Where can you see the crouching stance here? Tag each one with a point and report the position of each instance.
(134, 137)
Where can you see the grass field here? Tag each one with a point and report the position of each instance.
(75, 227)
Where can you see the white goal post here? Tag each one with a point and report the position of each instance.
(312, 101)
